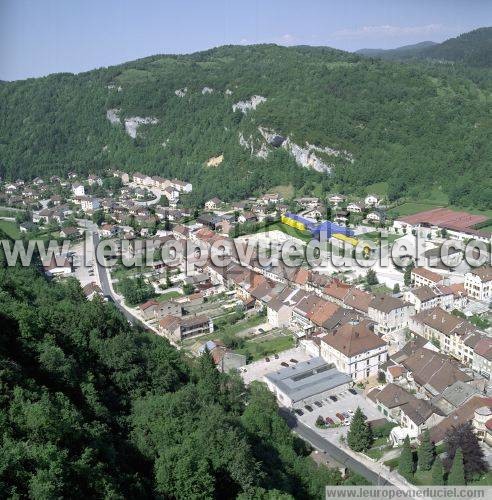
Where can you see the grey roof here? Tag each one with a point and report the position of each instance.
(307, 379)
(458, 393)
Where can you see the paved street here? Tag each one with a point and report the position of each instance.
(332, 449)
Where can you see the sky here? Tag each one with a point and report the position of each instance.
(39, 37)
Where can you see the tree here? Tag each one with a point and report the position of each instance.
(426, 452)
(456, 476)
(359, 436)
(98, 217)
(463, 437)
(396, 288)
(406, 466)
(188, 288)
(407, 276)
(437, 473)
(371, 277)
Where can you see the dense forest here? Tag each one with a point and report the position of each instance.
(92, 408)
(473, 48)
(417, 125)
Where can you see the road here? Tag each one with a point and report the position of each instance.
(331, 449)
(102, 272)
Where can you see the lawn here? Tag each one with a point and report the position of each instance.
(167, 296)
(229, 330)
(378, 188)
(304, 236)
(10, 228)
(258, 348)
(375, 236)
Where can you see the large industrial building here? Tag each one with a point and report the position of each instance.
(306, 382)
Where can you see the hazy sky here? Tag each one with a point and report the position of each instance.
(38, 37)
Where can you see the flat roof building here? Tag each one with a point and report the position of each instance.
(306, 382)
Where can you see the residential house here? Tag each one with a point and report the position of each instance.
(376, 217)
(428, 297)
(420, 276)
(482, 357)
(213, 204)
(356, 207)
(390, 314)
(430, 372)
(462, 414)
(447, 331)
(181, 328)
(478, 283)
(78, 189)
(94, 179)
(246, 217)
(70, 232)
(92, 290)
(372, 200)
(181, 186)
(413, 415)
(89, 204)
(336, 199)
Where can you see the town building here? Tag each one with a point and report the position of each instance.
(355, 349)
(478, 283)
(306, 382)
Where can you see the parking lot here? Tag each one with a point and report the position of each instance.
(85, 274)
(256, 370)
(346, 403)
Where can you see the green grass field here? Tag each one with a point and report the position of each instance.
(167, 296)
(375, 236)
(291, 231)
(258, 348)
(10, 228)
(379, 188)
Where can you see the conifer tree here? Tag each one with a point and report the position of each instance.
(425, 452)
(359, 436)
(405, 465)
(456, 475)
(437, 472)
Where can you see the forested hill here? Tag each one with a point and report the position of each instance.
(356, 120)
(90, 408)
(473, 48)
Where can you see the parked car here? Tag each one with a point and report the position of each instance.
(351, 412)
(318, 404)
(267, 360)
(309, 408)
(292, 360)
(333, 398)
(329, 421)
(346, 414)
(260, 330)
(340, 417)
(299, 412)
(276, 356)
(284, 364)
(352, 391)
